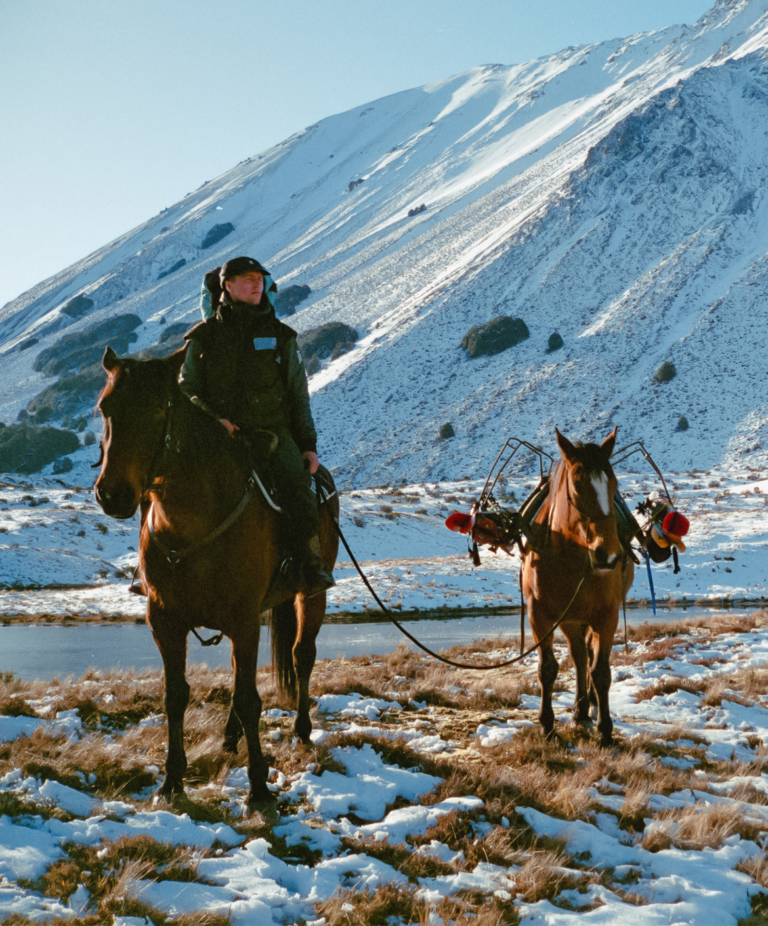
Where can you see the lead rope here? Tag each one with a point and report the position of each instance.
(426, 649)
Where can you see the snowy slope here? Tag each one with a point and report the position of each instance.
(613, 193)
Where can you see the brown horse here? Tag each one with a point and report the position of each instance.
(577, 567)
(215, 551)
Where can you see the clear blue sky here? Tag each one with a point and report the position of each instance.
(113, 109)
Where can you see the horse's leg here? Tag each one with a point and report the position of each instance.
(310, 613)
(540, 623)
(548, 668)
(173, 649)
(232, 731)
(579, 655)
(600, 670)
(247, 705)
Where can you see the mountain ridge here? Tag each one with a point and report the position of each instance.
(610, 192)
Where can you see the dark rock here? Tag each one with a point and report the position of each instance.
(24, 449)
(744, 204)
(495, 336)
(69, 396)
(287, 299)
(75, 351)
(446, 431)
(215, 234)
(417, 210)
(666, 372)
(343, 347)
(323, 339)
(177, 266)
(79, 306)
(353, 184)
(555, 342)
(30, 342)
(175, 332)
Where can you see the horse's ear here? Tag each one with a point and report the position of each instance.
(566, 447)
(610, 442)
(110, 360)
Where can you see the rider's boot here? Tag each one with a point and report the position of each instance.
(315, 578)
(137, 586)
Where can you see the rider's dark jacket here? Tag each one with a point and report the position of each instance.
(245, 365)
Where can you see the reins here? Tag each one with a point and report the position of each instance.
(426, 649)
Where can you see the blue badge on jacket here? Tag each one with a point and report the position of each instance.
(265, 343)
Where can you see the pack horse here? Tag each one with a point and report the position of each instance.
(210, 550)
(576, 566)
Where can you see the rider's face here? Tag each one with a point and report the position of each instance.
(248, 287)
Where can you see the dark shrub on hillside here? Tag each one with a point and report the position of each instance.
(446, 432)
(75, 351)
(175, 332)
(172, 269)
(682, 424)
(312, 365)
(321, 341)
(495, 336)
(30, 342)
(555, 342)
(353, 184)
(288, 298)
(215, 234)
(343, 347)
(417, 210)
(666, 372)
(63, 465)
(24, 449)
(79, 306)
(71, 395)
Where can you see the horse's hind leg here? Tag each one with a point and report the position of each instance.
(600, 670)
(580, 657)
(173, 649)
(310, 613)
(232, 731)
(247, 705)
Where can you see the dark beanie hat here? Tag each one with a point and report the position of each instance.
(237, 266)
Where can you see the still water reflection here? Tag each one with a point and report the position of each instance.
(46, 651)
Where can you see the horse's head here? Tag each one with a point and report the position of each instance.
(134, 407)
(589, 483)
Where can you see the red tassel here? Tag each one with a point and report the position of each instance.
(675, 524)
(462, 523)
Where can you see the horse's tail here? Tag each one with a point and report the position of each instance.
(283, 623)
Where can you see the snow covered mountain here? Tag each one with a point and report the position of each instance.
(612, 193)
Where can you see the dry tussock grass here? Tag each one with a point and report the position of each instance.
(698, 828)
(555, 776)
(669, 685)
(380, 907)
(109, 872)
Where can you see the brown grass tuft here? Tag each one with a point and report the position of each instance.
(698, 828)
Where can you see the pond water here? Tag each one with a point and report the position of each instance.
(46, 651)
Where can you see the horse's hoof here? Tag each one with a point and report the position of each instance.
(606, 740)
(260, 796)
(170, 789)
(303, 730)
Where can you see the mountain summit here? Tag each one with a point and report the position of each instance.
(611, 198)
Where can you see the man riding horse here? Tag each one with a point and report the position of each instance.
(244, 368)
